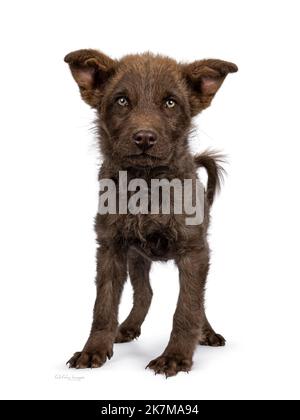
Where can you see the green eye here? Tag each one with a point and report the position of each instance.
(122, 101)
(170, 103)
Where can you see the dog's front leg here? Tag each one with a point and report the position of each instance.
(188, 317)
(111, 275)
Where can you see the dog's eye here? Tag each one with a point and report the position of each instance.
(170, 103)
(122, 101)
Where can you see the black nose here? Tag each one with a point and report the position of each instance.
(145, 139)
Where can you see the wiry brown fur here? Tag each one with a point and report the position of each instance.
(211, 161)
(127, 242)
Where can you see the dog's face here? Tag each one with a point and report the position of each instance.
(145, 103)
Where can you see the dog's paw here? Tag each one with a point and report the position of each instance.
(212, 339)
(89, 359)
(170, 364)
(126, 334)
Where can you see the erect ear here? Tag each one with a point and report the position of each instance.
(90, 69)
(204, 78)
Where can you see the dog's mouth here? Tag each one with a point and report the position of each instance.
(143, 155)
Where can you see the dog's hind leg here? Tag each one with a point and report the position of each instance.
(208, 337)
(139, 268)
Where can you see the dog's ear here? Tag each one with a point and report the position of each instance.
(204, 78)
(91, 69)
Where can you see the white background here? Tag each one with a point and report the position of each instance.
(48, 164)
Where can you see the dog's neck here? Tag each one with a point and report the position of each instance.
(168, 170)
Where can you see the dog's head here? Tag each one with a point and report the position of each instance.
(145, 102)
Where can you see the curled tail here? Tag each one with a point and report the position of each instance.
(211, 161)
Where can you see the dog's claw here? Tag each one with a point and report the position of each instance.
(170, 365)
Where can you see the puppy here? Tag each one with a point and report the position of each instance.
(144, 106)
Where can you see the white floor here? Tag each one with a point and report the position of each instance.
(260, 360)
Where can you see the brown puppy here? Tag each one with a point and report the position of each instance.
(145, 104)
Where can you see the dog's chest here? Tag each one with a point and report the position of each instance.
(141, 222)
(152, 235)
